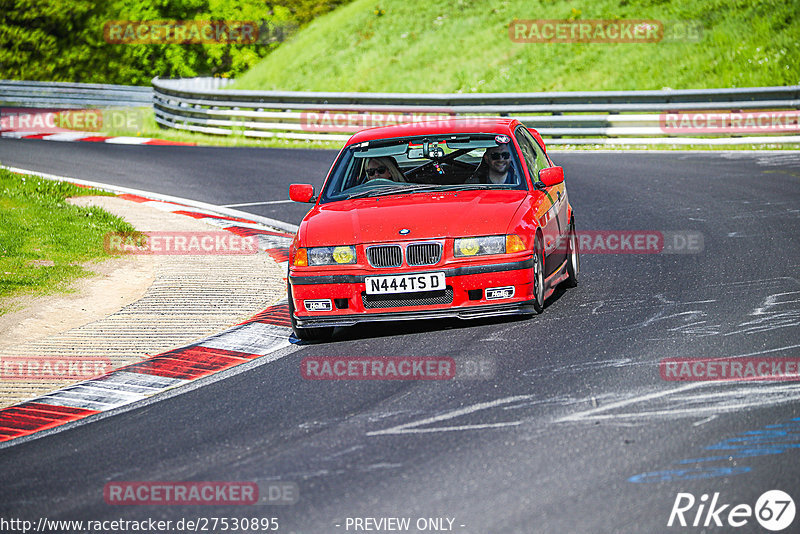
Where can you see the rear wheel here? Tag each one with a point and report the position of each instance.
(322, 333)
(538, 276)
(573, 260)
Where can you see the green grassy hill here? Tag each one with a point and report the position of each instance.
(464, 46)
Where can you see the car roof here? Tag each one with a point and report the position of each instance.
(496, 125)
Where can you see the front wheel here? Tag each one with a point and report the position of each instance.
(322, 333)
(538, 277)
(573, 260)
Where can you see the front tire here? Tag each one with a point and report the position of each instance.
(538, 276)
(322, 333)
(573, 260)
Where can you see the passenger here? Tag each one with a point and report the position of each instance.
(495, 167)
(384, 167)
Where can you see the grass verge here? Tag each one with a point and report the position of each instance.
(44, 240)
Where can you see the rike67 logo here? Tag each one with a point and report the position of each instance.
(774, 510)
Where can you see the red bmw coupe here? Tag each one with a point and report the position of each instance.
(454, 218)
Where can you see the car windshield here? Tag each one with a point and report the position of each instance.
(425, 164)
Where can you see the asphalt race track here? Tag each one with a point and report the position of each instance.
(573, 431)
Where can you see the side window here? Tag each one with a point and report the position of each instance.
(529, 153)
(541, 157)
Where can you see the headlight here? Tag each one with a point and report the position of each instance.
(493, 244)
(331, 255)
(479, 246)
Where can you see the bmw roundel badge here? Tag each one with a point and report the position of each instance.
(405, 231)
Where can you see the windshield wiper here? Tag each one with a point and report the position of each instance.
(378, 192)
(468, 187)
(395, 191)
(464, 187)
(422, 188)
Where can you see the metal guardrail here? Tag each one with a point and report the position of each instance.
(72, 95)
(181, 104)
(612, 117)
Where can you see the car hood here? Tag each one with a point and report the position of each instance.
(425, 215)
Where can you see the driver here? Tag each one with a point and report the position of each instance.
(495, 168)
(384, 167)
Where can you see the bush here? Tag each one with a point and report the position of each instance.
(59, 40)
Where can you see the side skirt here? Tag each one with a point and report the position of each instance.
(552, 281)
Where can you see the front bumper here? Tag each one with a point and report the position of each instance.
(463, 298)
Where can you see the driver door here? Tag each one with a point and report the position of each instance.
(552, 212)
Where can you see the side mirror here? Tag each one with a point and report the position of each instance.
(552, 176)
(301, 192)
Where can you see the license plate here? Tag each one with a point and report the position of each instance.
(407, 283)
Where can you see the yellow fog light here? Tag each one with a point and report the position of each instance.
(468, 247)
(479, 246)
(344, 255)
(514, 243)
